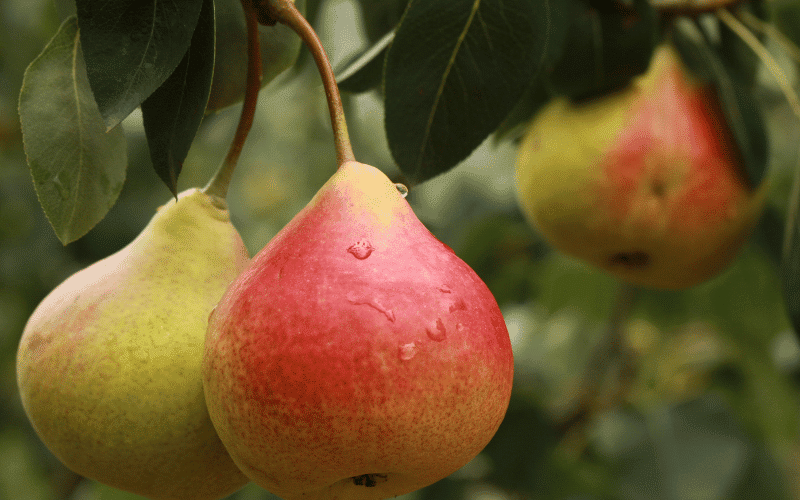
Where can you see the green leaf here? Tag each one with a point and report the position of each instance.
(605, 48)
(736, 100)
(786, 16)
(365, 72)
(280, 47)
(78, 168)
(454, 71)
(172, 114)
(131, 47)
(381, 17)
(737, 56)
(517, 121)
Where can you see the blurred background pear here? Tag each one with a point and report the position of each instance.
(645, 183)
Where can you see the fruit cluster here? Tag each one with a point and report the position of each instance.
(354, 357)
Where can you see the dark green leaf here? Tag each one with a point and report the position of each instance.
(65, 8)
(737, 56)
(736, 100)
(131, 47)
(172, 114)
(365, 71)
(454, 71)
(516, 123)
(605, 48)
(78, 169)
(381, 17)
(786, 16)
(280, 47)
(539, 92)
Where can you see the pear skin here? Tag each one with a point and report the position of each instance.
(357, 357)
(646, 184)
(109, 364)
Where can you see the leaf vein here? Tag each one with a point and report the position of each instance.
(446, 74)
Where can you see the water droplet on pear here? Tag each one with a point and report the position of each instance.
(437, 332)
(373, 302)
(407, 351)
(458, 305)
(361, 249)
(402, 189)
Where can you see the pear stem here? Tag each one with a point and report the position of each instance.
(218, 185)
(285, 12)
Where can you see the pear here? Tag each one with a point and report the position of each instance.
(357, 357)
(109, 364)
(646, 184)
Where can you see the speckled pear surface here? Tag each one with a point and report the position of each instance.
(646, 183)
(109, 364)
(357, 357)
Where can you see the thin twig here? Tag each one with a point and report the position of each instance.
(611, 349)
(218, 186)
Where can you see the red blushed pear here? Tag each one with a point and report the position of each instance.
(357, 357)
(646, 183)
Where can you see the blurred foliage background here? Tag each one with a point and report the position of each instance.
(619, 394)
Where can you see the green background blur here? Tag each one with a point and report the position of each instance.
(701, 404)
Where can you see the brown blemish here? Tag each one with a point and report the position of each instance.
(369, 480)
(658, 188)
(636, 259)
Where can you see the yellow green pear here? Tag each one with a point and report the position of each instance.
(109, 364)
(646, 183)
